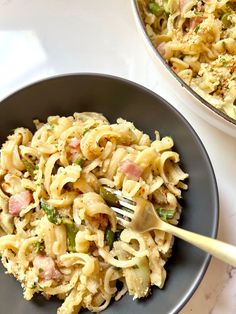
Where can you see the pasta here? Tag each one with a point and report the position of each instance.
(58, 234)
(198, 40)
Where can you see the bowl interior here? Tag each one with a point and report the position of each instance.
(219, 113)
(120, 98)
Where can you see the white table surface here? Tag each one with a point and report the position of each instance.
(47, 37)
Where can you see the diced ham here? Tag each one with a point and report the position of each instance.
(161, 48)
(75, 143)
(131, 169)
(19, 201)
(74, 149)
(46, 267)
(74, 155)
(182, 4)
(194, 22)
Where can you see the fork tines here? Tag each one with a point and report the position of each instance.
(124, 214)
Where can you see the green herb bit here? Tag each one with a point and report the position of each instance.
(0, 255)
(110, 198)
(39, 247)
(80, 162)
(71, 231)
(33, 286)
(196, 29)
(223, 61)
(51, 213)
(85, 131)
(168, 6)
(41, 270)
(155, 8)
(52, 126)
(29, 166)
(165, 214)
(110, 237)
(225, 21)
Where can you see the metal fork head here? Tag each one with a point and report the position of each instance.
(138, 214)
(125, 213)
(122, 216)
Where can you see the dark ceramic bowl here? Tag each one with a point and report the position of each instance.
(193, 100)
(115, 97)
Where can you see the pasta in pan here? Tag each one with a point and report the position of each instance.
(59, 235)
(198, 40)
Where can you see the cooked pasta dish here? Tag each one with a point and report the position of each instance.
(198, 40)
(59, 235)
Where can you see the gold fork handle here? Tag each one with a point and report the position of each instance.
(223, 251)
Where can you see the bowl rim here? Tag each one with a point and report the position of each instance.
(164, 62)
(215, 225)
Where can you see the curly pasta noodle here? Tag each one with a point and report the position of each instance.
(198, 40)
(59, 235)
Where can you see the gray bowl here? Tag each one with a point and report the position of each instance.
(115, 97)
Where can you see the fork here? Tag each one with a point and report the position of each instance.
(140, 215)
